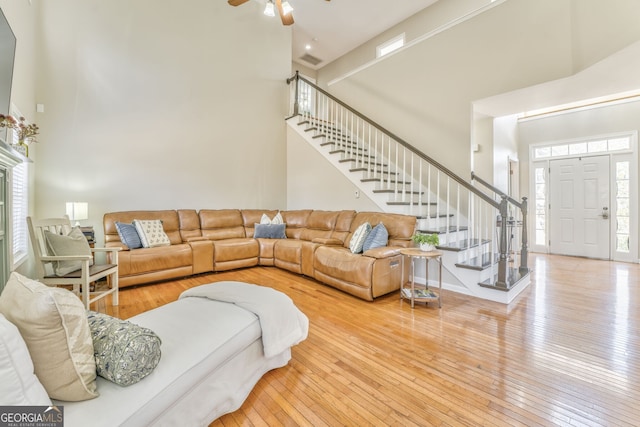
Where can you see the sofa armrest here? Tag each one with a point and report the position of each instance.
(202, 252)
(327, 241)
(383, 252)
(119, 246)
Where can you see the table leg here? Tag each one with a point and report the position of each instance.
(413, 280)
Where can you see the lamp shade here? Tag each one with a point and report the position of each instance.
(270, 9)
(78, 211)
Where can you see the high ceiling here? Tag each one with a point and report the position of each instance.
(333, 28)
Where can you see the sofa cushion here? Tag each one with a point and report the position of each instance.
(128, 235)
(74, 243)
(19, 385)
(270, 231)
(151, 233)
(221, 224)
(53, 323)
(377, 238)
(358, 238)
(125, 352)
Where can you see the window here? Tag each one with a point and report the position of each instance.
(19, 204)
(623, 203)
(541, 206)
(19, 211)
(389, 46)
(583, 147)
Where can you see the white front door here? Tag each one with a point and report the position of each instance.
(579, 207)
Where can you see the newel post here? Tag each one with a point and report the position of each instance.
(503, 258)
(524, 251)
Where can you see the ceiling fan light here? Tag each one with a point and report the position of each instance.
(270, 9)
(286, 8)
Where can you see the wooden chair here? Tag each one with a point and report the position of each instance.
(82, 278)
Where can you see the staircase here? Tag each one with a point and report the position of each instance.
(479, 249)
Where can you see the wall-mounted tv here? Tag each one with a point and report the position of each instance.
(7, 56)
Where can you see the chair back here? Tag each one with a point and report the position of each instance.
(37, 228)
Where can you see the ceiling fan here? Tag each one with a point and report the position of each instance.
(284, 9)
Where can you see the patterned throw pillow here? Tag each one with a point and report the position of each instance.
(358, 238)
(277, 219)
(269, 231)
(53, 324)
(128, 235)
(151, 233)
(377, 238)
(125, 353)
(74, 243)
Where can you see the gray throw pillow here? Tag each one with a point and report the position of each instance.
(75, 243)
(377, 238)
(128, 235)
(125, 353)
(269, 231)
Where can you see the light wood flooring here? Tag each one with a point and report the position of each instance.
(566, 352)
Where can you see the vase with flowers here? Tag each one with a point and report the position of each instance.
(26, 132)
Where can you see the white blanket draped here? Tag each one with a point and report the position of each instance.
(283, 324)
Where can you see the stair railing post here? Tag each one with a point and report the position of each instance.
(503, 258)
(296, 105)
(524, 250)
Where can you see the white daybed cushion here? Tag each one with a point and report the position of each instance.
(19, 385)
(211, 359)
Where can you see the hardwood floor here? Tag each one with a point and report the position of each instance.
(565, 353)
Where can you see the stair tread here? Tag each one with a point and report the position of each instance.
(442, 230)
(415, 203)
(462, 245)
(514, 275)
(342, 150)
(389, 191)
(479, 263)
(368, 162)
(386, 181)
(375, 171)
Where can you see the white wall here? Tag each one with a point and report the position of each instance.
(314, 183)
(160, 105)
(424, 93)
(605, 120)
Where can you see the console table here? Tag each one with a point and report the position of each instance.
(421, 294)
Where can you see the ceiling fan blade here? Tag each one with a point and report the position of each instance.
(237, 2)
(286, 19)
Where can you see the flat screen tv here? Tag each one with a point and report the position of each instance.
(7, 56)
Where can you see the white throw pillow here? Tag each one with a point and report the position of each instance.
(277, 219)
(359, 236)
(151, 233)
(74, 243)
(19, 385)
(53, 323)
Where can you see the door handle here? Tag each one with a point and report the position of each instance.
(605, 213)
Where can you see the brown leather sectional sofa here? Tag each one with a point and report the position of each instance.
(317, 246)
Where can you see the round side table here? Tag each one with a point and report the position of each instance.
(421, 294)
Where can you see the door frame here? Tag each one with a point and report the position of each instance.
(630, 155)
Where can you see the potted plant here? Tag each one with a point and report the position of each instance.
(427, 242)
